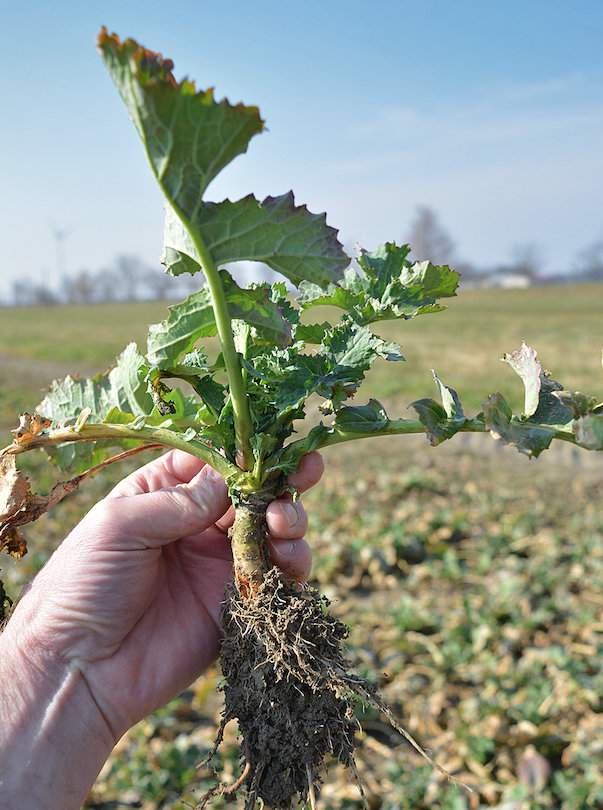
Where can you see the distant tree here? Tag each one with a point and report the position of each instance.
(527, 260)
(43, 296)
(130, 271)
(429, 239)
(157, 284)
(589, 265)
(21, 293)
(80, 288)
(105, 286)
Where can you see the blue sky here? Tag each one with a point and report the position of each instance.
(490, 112)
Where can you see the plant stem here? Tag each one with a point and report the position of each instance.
(248, 536)
(238, 393)
(145, 435)
(333, 435)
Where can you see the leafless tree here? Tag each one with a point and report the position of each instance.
(527, 259)
(80, 288)
(130, 271)
(158, 285)
(589, 265)
(429, 239)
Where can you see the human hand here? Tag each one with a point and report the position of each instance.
(132, 597)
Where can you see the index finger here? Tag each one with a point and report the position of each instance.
(172, 468)
(309, 472)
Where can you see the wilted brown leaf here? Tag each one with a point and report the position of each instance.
(19, 505)
(30, 426)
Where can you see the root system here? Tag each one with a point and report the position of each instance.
(287, 684)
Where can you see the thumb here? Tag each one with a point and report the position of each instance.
(152, 519)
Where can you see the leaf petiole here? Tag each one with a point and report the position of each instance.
(145, 435)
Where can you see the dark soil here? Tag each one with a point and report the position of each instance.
(287, 686)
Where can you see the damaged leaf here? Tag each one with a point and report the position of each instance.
(19, 505)
(526, 437)
(30, 426)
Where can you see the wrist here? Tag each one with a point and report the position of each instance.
(53, 737)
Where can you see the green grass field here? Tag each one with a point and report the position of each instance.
(464, 344)
(470, 576)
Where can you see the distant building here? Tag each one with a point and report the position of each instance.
(510, 281)
(502, 279)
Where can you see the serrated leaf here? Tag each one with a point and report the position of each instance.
(361, 418)
(288, 238)
(255, 306)
(187, 322)
(188, 136)
(125, 388)
(120, 395)
(172, 340)
(388, 287)
(312, 332)
(522, 434)
(335, 371)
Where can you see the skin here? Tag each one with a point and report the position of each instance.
(123, 617)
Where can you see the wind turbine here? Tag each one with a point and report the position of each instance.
(60, 235)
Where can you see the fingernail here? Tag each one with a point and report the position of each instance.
(291, 514)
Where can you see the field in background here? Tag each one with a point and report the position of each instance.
(464, 344)
(470, 576)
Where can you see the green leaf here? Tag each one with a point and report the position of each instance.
(522, 434)
(435, 419)
(551, 410)
(388, 287)
(288, 238)
(450, 400)
(361, 418)
(123, 388)
(187, 322)
(312, 332)
(212, 394)
(443, 421)
(170, 341)
(188, 136)
(121, 395)
(287, 461)
(126, 387)
(256, 307)
(287, 378)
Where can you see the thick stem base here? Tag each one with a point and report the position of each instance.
(248, 538)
